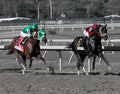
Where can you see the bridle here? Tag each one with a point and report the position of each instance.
(40, 35)
(103, 32)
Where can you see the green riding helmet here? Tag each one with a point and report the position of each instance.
(34, 27)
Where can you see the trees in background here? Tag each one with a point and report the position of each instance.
(71, 9)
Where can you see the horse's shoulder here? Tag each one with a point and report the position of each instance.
(30, 40)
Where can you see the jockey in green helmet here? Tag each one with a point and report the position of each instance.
(27, 31)
(34, 27)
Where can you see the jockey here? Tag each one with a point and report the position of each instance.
(89, 32)
(27, 32)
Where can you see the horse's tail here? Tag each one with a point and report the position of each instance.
(10, 49)
(7, 47)
(73, 44)
(69, 45)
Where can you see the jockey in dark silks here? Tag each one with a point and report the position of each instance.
(88, 41)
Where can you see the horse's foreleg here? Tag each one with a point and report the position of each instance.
(49, 69)
(103, 57)
(93, 66)
(39, 57)
(31, 60)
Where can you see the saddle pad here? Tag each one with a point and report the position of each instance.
(18, 45)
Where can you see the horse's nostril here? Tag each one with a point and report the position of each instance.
(44, 39)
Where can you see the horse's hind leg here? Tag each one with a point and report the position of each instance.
(80, 64)
(78, 68)
(22, 62)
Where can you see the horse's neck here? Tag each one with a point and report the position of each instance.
(97, 41)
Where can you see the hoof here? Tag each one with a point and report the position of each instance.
(87, 73)
(23, 72)
(110, 68)
(78, 73)
(51, 70)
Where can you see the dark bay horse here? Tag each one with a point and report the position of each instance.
(95, 49)
(31, 49)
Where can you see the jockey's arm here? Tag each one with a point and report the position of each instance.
(29, 33)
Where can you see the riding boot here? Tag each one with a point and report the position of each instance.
(24, 40)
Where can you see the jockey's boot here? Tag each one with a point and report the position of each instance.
(24, 40)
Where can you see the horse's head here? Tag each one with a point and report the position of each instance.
(103, 32)
(41, 35)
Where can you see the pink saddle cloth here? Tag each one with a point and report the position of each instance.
(18, 45)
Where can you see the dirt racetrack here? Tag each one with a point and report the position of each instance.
(13, 82)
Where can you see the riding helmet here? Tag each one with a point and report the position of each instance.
(34, 26)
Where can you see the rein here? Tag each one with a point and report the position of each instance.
(35, 38)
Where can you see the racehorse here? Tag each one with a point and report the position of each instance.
(31, 49)
(94, 46)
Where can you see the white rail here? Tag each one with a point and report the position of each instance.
(61, 40)
(52, 48)
(61, 48)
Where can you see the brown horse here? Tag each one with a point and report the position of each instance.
(31, 49)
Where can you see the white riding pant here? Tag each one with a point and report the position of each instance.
(24, 34)
(85, 33)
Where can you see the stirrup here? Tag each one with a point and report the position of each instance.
(23, 43)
